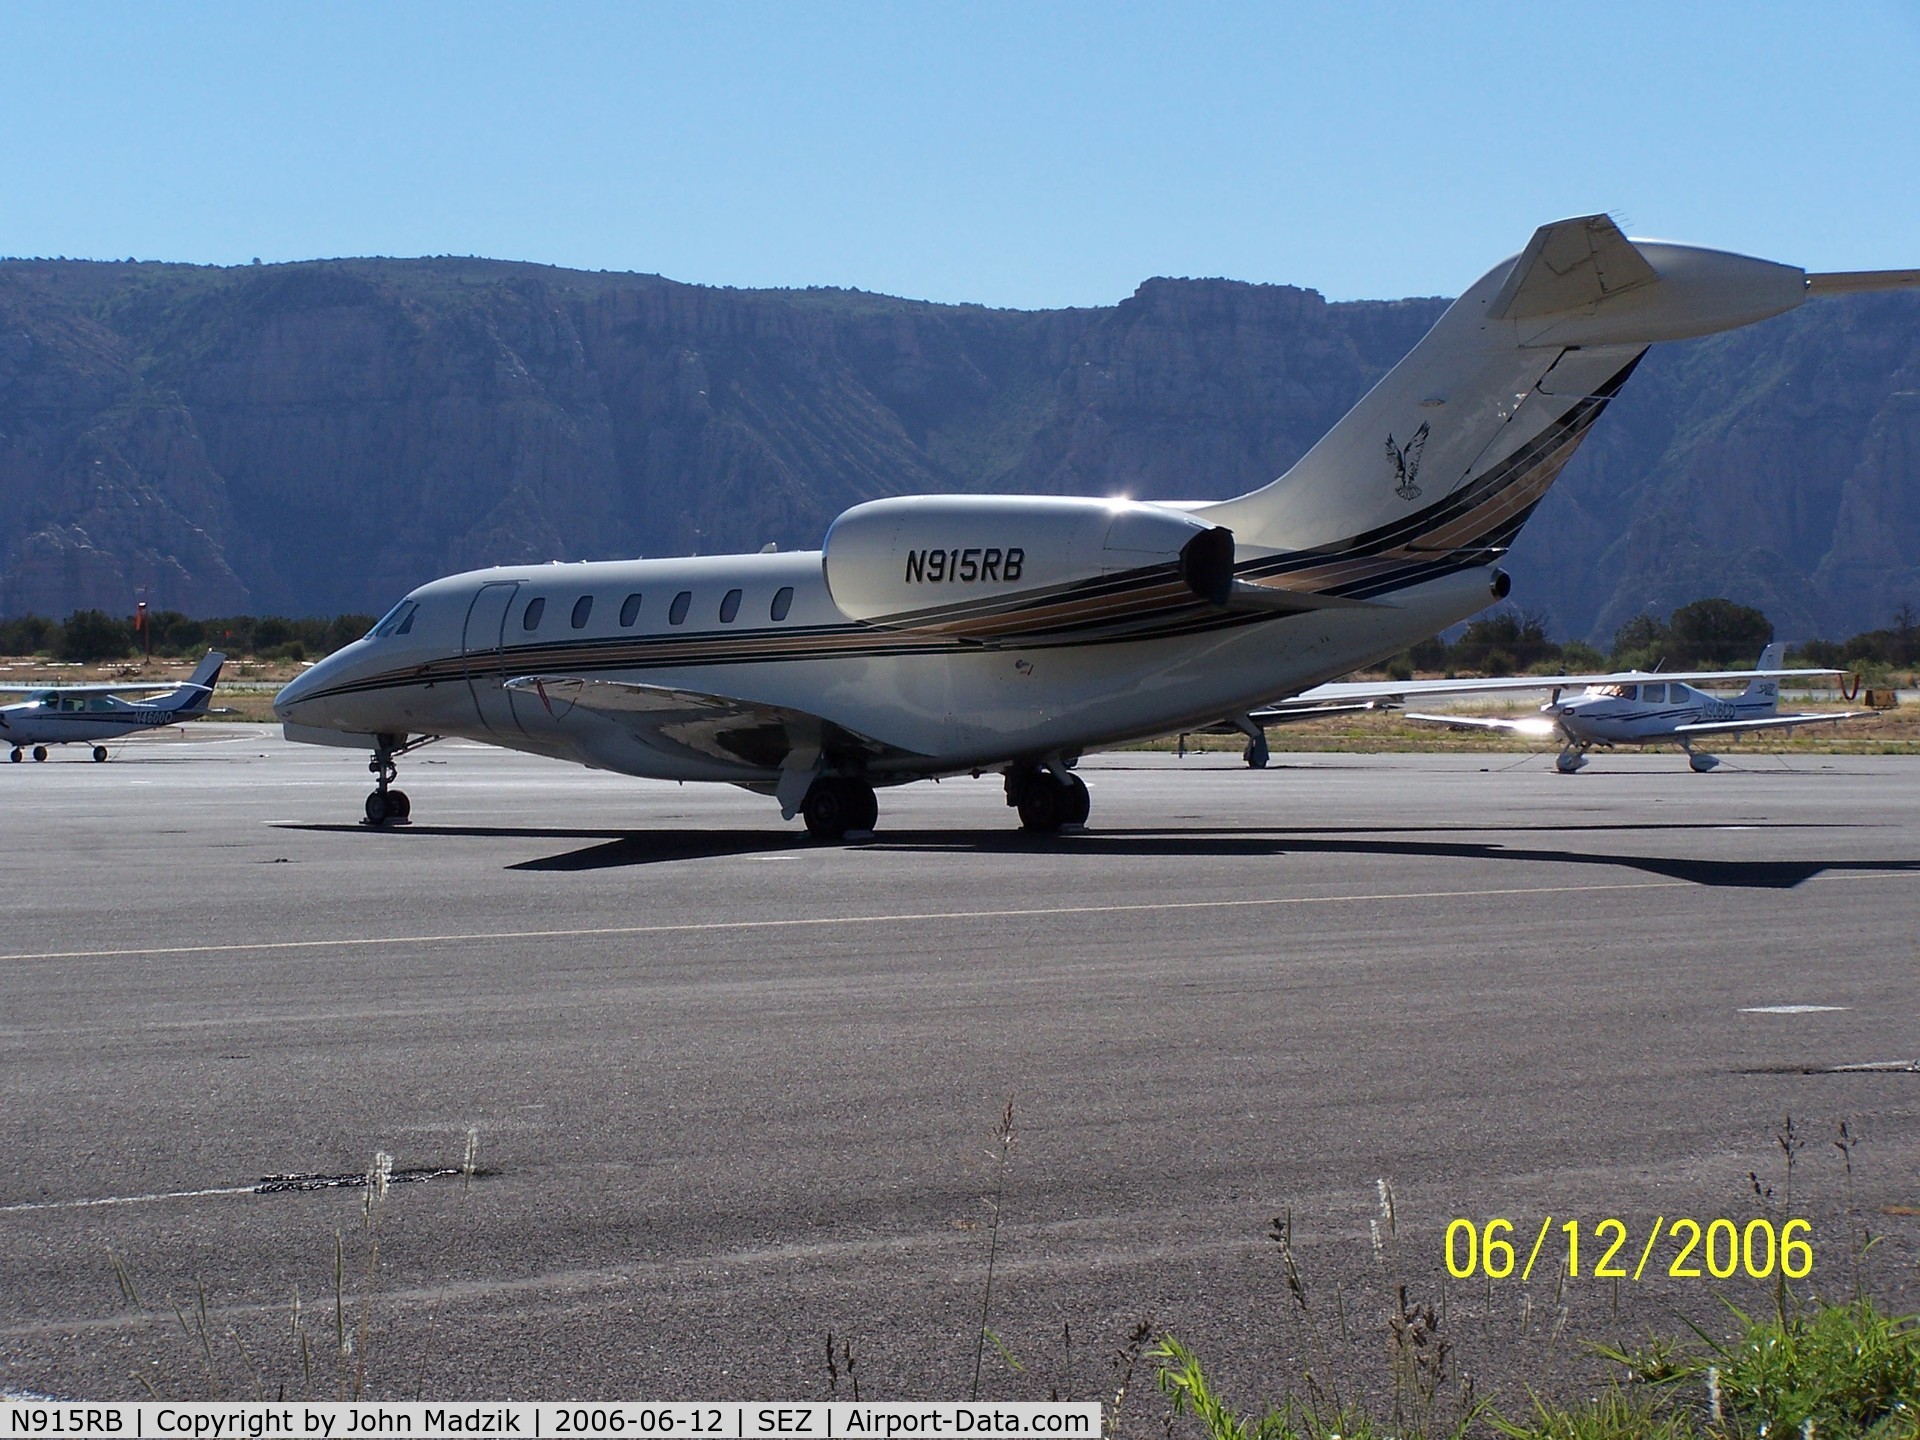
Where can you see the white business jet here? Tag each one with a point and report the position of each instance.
(1640, 709)
(90, 714)
(942, 634)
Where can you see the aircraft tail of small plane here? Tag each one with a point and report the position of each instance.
(1765, 689)
(190, 700)
(1440, 464)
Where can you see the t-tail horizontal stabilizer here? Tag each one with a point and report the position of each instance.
(1456, 445)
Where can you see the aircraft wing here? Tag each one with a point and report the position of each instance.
(722, 726)
(1527, 725)
(148, 687)
(1765, 722)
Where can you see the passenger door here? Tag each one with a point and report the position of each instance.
(481, 646)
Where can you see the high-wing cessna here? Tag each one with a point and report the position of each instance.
(89, 714)
(940, 634)
(1637, 709)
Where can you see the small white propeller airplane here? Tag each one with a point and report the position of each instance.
(943, 634)
(90, 714)
(1652, 709)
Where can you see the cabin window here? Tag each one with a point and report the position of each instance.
(1653, 694)
(536, 607)
(582, 608)
(729, 607)
(677, 612)
(782, 602)
(629, 610)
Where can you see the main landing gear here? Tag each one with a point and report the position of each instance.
(837, 806)
(99, 753)
(1256, 754)
(1701, 763)
(1048, 800)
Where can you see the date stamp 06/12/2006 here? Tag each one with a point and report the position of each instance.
(1693, 1250)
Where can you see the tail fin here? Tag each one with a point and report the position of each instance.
(1441, 463)
(1771, 658)
(193, 697)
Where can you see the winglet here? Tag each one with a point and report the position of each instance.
(1569, 265)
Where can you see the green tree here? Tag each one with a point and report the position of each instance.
(1641, 643)
(1504, 641)
(94, 635)
(28, 635)
(1718, 632)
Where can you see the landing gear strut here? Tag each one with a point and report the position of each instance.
(1047, 802)
(1256, 753)
(837, 806)
(387, 806)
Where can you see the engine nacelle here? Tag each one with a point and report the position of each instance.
(888, 558)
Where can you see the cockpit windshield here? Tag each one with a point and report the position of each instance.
(397, 621)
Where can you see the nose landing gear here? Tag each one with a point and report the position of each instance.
(1571, 759)
(386, 805)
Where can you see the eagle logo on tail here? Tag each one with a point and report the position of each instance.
(1406, 463)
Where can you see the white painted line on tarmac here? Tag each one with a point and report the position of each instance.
(1790, 1009)
(126, 1199)
(806, 922)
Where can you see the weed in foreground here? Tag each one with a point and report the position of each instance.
(1848, 1369)
(1830, 1371)
(1002, 1154)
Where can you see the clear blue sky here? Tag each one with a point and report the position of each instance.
(1030, 155)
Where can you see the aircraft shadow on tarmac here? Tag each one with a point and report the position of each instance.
(618, 848)
(615, 849)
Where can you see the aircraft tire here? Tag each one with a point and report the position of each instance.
(866, 806)
(39, 752)
(379, 808)
(99, 753)
(15, 757)
(831, 808)
(1077, 804)
(1042, 805)
(399, 807)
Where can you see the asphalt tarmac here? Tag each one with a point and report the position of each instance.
(734, 1093)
